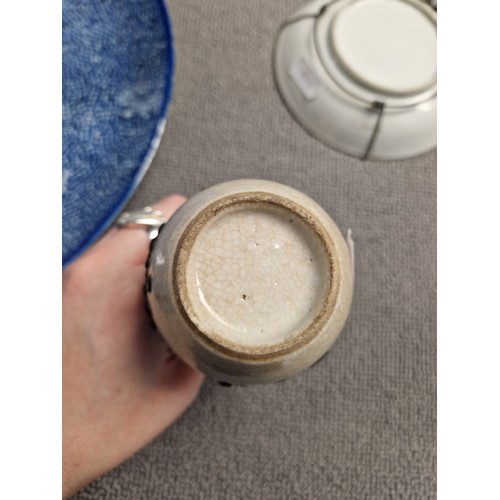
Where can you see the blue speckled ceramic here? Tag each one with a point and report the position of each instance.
(118, 63)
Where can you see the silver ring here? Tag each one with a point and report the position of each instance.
(147, 218)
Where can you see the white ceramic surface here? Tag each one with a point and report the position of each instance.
(259, 273)
(250, 281)
(335, 63)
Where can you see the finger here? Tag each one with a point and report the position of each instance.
(168, 206)
(177, 390)
(132, 243)
(138, 247)
(181, 381)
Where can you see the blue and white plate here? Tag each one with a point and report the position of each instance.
(118, 64)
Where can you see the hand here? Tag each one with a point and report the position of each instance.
(121, 384)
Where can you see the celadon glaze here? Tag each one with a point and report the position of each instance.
(250, 281)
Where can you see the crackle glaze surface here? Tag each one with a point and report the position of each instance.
(259, 272)
(212, 277)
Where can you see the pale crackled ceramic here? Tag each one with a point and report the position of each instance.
(250, 281)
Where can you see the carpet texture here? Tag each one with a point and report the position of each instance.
(361, 424)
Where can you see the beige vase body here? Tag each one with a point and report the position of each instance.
(250, 281)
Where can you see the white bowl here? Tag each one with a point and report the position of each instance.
(360, 75)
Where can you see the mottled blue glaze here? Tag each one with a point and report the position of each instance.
(117, 75)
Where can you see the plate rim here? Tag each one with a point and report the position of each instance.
(309, 52)
(150, 152)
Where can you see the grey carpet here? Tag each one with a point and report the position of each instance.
(362, 423)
